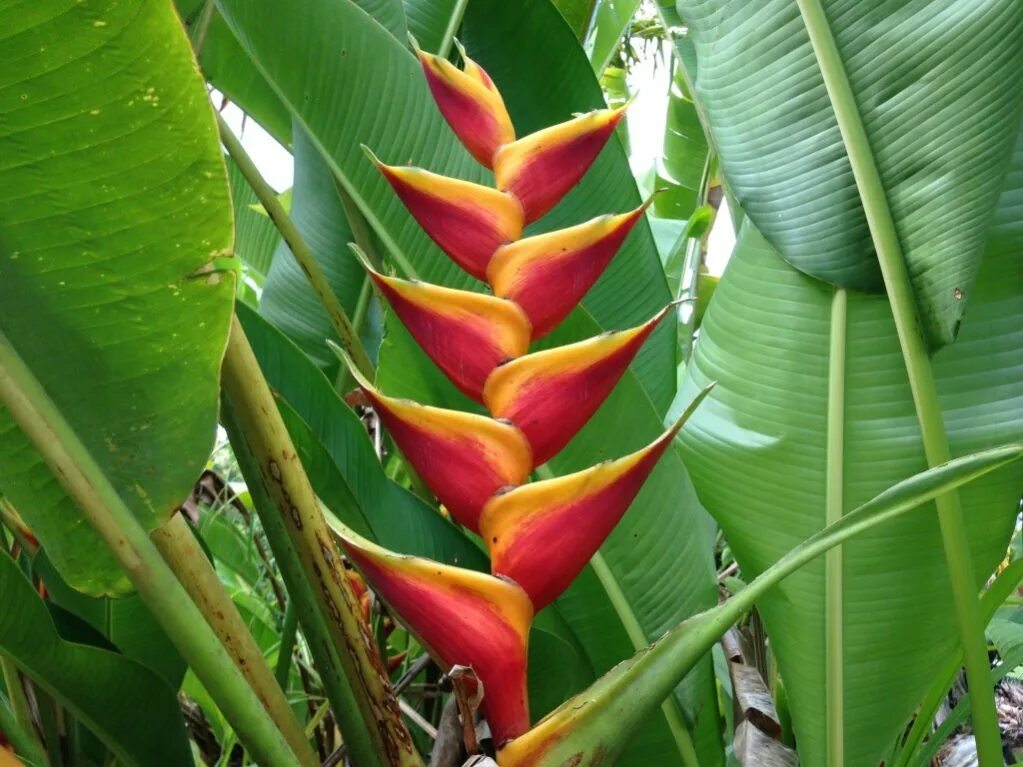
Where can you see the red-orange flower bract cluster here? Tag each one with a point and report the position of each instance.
(540, 535)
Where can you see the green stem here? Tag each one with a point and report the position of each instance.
(101, 505)
(16, 718)
(187, 559)
(992, 599)
(373, 727)
(688, 286)
(346, 333)
(920, 373)
(47, 708)
(200, 32)
(362, 304)
(834, 503)
(449, 31)
(682, 736)
(324, 654)
(364, 239)
(289, 633)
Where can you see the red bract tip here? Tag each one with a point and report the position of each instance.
(541, 535)
(471, 105)
(464, 458)
(468, 221)
(551, 394)
(538, 170)
(549, 274)
(466, 334)
(462, 618)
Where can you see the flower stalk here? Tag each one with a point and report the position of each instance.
(539, 535)
(183, 554)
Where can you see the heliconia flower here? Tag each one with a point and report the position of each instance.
(547, 275)
(468, 221)
(461, 617)
(470, 103)
(541, 535)
(466, 334)
(464, 458)
(540, 168)
(550, 395)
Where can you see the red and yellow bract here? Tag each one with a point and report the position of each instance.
(539, 535)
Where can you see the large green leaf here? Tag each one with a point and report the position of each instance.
(112, 199)
(577, 14)
(288, 300)
(349, 83)
(757, 453)
(390, 14)
(228, 67)
(132, 710)
(937, 85)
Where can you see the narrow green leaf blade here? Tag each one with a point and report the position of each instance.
(593, 727)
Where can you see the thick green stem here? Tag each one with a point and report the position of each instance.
(97, 499)
(186, 558)
(362, 304)
(920, 372)
(289, 633)
(834, 503)
(346, 333)
(16, 717)
(300, 590)
(373, 728)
